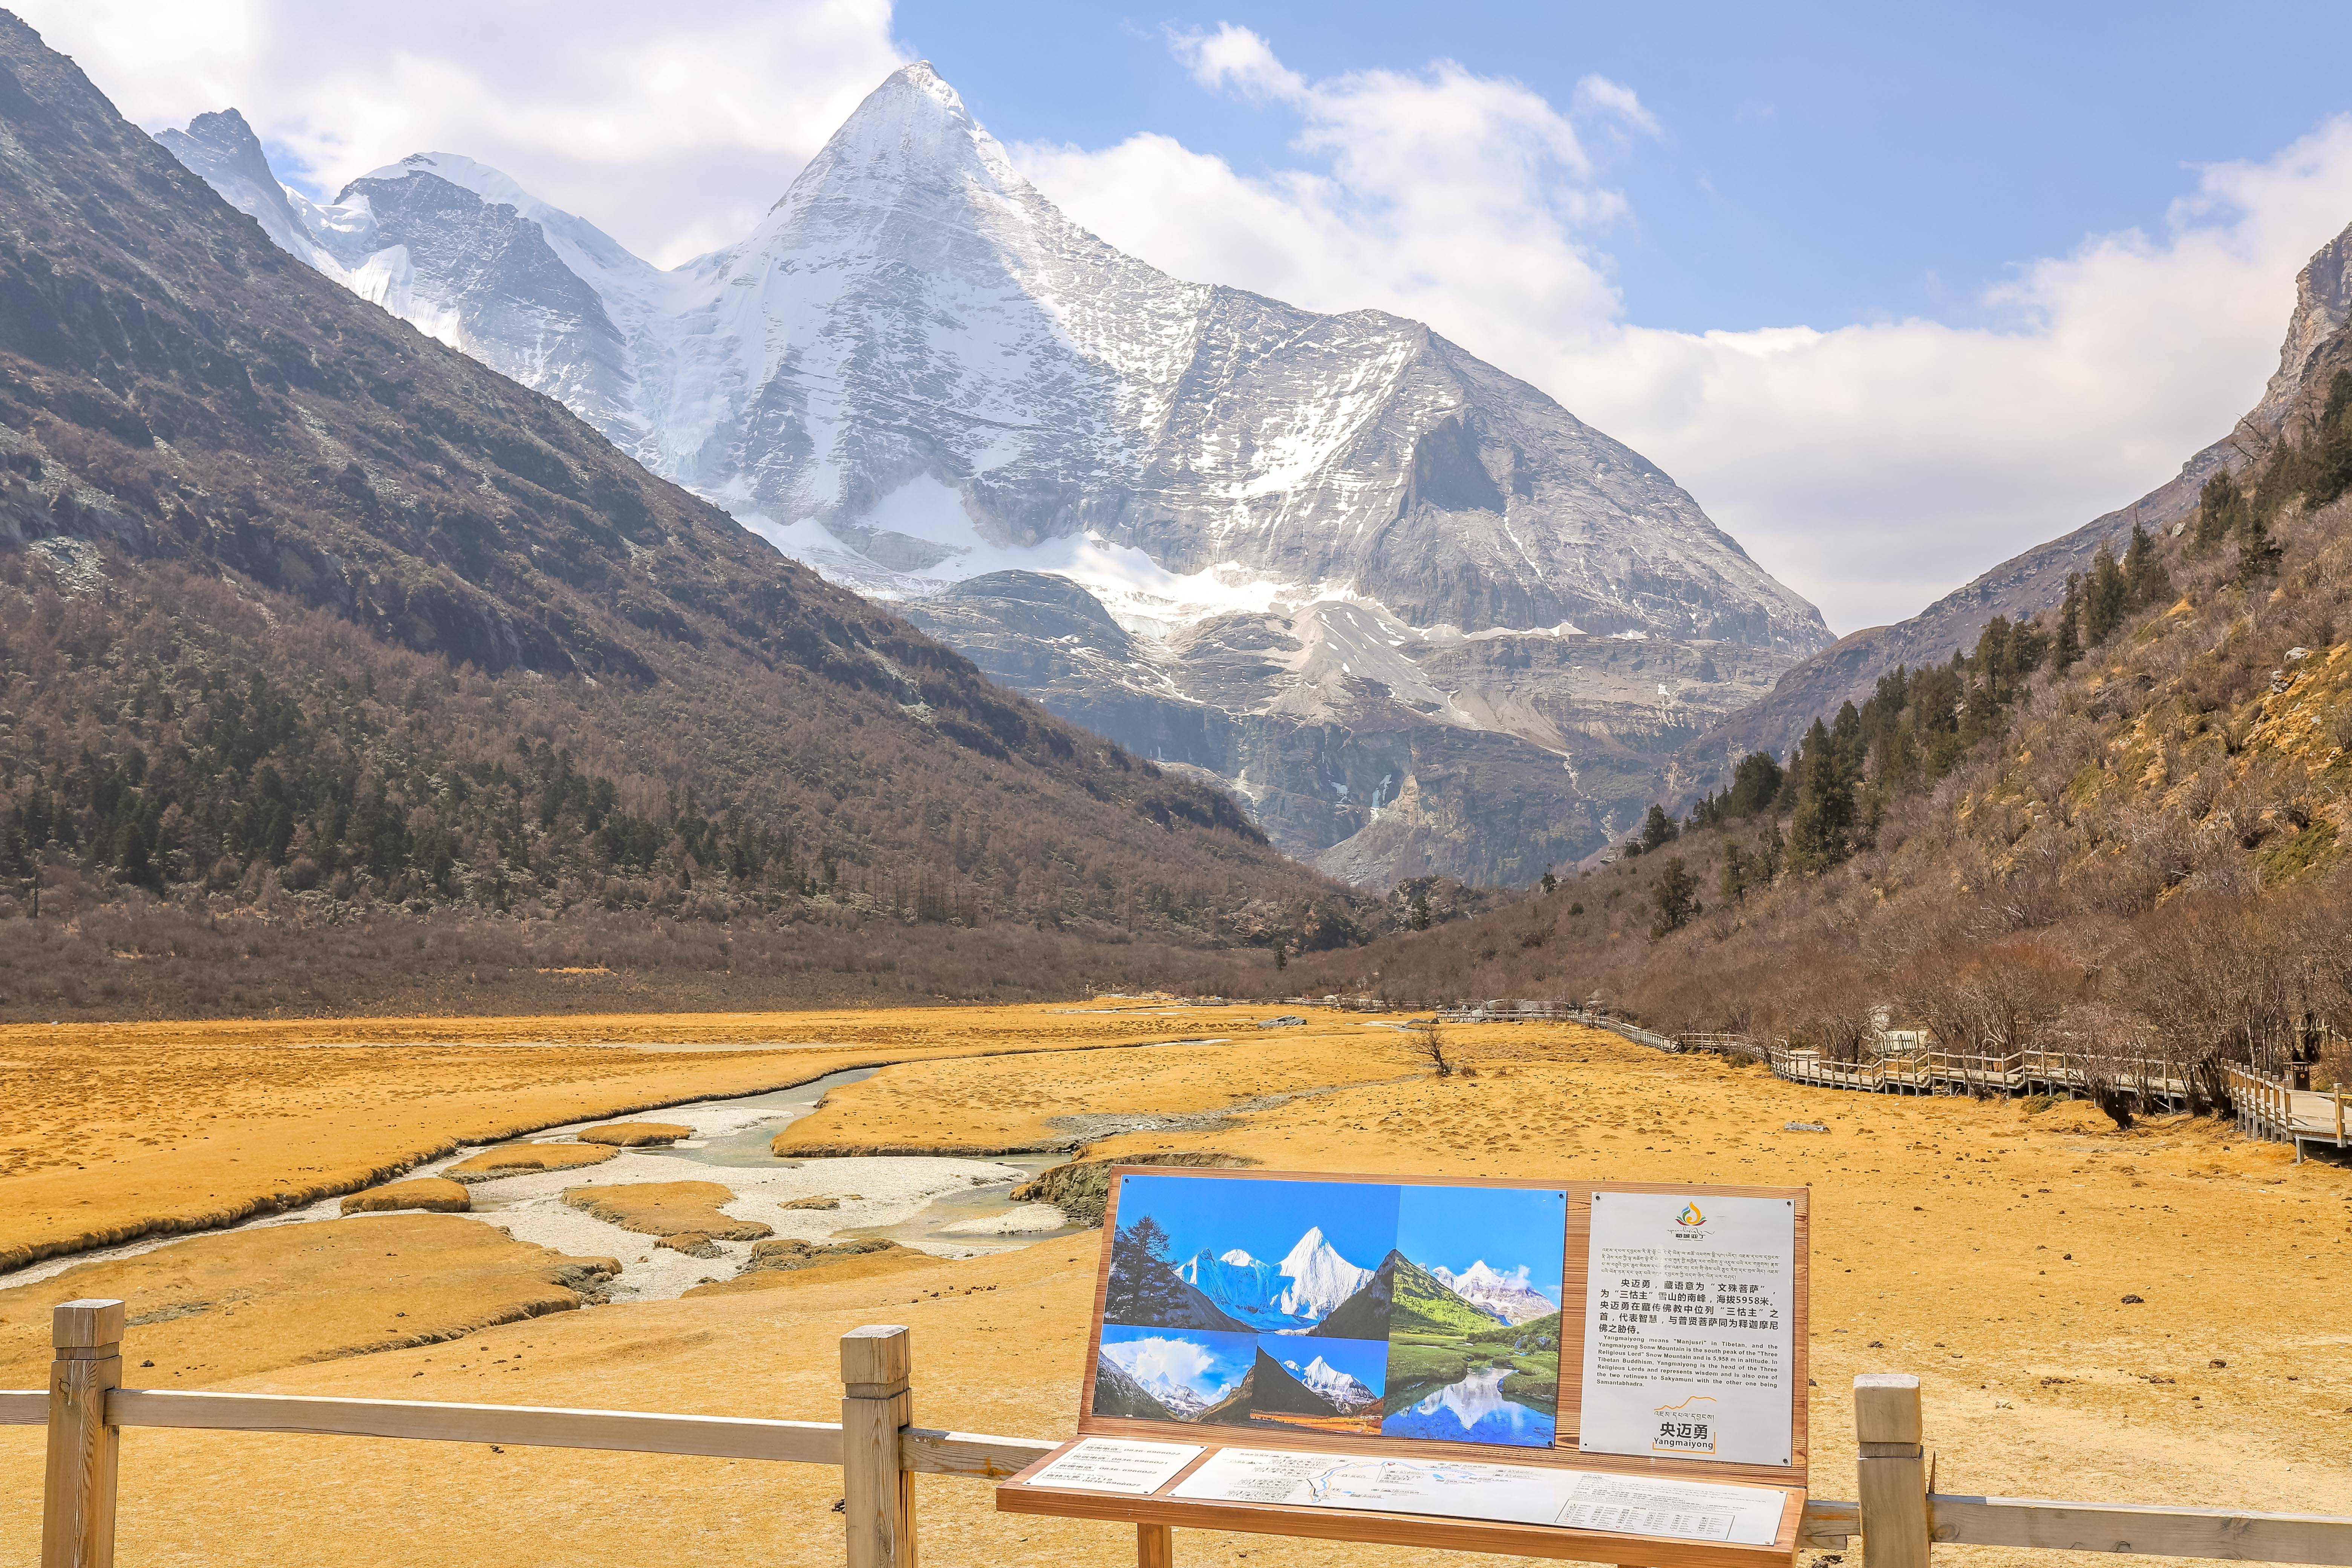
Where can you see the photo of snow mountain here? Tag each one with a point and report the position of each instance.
(1152, 1376)
(1411, 1310)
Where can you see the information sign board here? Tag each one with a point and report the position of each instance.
(1552, 1367)
(1688, 1307)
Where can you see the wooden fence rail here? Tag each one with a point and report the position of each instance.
(879, 1451)
(2263, 1107)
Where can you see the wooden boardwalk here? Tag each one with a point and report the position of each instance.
(2266, 1108)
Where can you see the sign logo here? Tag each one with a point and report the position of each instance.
(1690, 1215)
(1685, 1429)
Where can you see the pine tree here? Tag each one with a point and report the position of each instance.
(2220, 508)
(1658, 829)
(2258, 552)
(1738, 869)
(1755, 786)
(1674, 897)
(2104, 598)
(2066, 652)
(1819, 826)
(2146, 582)
(1143, 1288)
(2332, 445)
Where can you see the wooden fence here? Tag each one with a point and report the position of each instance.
(879, 1451)
(1933, 1070)
(2275, 1108)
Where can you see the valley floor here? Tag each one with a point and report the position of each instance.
(1985, 1248)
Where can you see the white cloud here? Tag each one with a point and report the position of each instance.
(673, 135)
(1464, 201)
(1872, 467)
(1599, 94)
(1161, 1362)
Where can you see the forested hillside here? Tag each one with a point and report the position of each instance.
(309, 623)
(2115, 825)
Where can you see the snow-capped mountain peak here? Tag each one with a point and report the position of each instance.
(1319, 1277)
(1180, 1398)
(1240, 1285)
(1340, 1388)
(223, 148)
(911, 136)
(917, 372)
(1508, 1295)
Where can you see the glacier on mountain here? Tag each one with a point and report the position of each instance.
(1289, 1297)
(1241, 1286)
(1336, 549)
(1347, 1391)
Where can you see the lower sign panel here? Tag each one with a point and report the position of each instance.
(1513, 1494)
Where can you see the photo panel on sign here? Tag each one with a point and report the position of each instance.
(1246, 1256)
(1320, 1383)
(1473, 1316)
(1174, 1375)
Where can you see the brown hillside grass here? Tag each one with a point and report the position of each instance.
(509, 1159)
(213, 1308)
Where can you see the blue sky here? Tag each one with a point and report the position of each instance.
(1264, 1220)
(1206, 1362)
(1508, 1228)
(1817, 163)
(1366, 1361)
(1894, 290)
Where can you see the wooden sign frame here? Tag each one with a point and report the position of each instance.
(1461, 1534)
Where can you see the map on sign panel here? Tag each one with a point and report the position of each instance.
(1515, 1494)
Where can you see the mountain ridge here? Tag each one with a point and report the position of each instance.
(650, 710)
(1338, 548)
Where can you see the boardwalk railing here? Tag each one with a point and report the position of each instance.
(2273, 1109)
(1935, 1070)
(2266, 1108)
(879, 1451)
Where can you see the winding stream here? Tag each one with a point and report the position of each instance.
(952, 1206)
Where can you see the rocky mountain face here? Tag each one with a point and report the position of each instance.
(210, 454)
(2035, 581)
(1418, 615)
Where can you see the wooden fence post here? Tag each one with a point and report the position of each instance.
(1892, 1471)
(78, 1492)
(877, 1491)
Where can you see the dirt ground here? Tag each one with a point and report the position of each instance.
(1984, 1247)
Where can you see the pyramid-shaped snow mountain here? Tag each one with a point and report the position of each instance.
(1417, 615)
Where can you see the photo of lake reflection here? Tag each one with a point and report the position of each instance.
(1473, 1318)
(1474, 1410)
